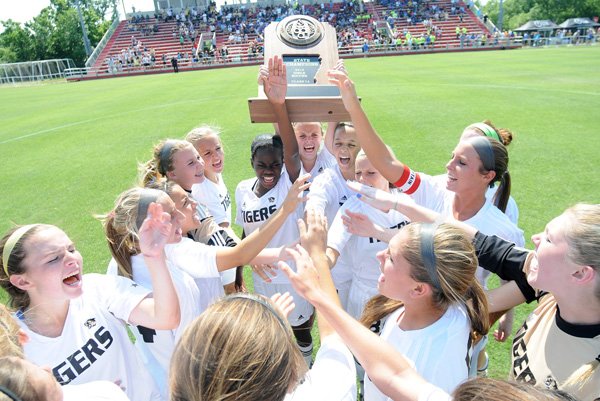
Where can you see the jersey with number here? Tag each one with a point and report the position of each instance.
(438, 352)
(332, 376)
(253, 212)
(94, 344)
(328, 193)
(432, 193)
(161, 343)
(215, 197)
(362, 251)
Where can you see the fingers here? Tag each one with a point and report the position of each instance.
(302, 226)
(284, 302)
(286, 269)
(265, 272)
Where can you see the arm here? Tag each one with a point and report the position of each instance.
(275, 85)
(387, 368)
(251, 245)
(504, 297)
(383, 160)
(162, 310)
(329, 134)
(360, 224)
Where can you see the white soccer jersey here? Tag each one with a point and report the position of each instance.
(512, 210)
(94, 391)
(324, 161)
(200, 262)
(332, 376)
(161, 343)
(253, 212)
(215, 197)
(432, 193)
(328, 193)
(361, 252)
(438, 352)
(94, 344)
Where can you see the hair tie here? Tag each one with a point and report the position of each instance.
(487, 131)
(9, 393)
(483, 147)
(147, 196)
(10, 243)
(164, 156)
(427, 234)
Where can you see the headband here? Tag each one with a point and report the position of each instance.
(264, 303)
(10, 243)
(428, 252)
(164, 155)
(487, 131)
(9, 394)
(483, 147)
(147, 196)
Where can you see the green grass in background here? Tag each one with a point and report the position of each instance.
(68, 149)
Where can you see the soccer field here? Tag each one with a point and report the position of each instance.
(68, 149)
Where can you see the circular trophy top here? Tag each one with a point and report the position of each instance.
(299, 30)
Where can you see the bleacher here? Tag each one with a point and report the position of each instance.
(166, 42)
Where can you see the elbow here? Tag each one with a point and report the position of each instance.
(171, 321)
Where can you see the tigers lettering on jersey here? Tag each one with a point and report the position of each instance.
(80, 360)
(226, 202)
(398, 226)
(262, 214)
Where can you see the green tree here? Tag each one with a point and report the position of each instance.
(18, 40)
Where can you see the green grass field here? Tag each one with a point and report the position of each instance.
(68, 149)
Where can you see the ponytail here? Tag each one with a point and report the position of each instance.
(148, 173)
(377, 308)
(122, 247)
(502, 194)
(580, 377)
(477, 310)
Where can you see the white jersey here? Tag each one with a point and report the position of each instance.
(200, 262)
(438, 352)
(432, 194)
(94, 391)
(324, 161)
(361, 252)
(332, 376)
(328, 193)
(94, 344)
(161, 343)
(215, 197)
(253, 212)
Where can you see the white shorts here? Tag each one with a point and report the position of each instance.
(359, 295)
(303, 310)
(228, 276)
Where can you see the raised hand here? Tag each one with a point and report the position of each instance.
(274, 80)
(155, 231)
(265, 272)
(296, 193)
(359, 224)
(305, 279)
(375, 197)
(284, 303)
(313, 233)
(339, 78)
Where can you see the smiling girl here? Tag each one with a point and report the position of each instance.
(74, 322)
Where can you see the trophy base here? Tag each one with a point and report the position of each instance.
(301, 109)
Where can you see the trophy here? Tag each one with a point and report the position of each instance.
(308, 49)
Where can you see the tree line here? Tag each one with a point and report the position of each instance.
(518, 12)
(56, 32)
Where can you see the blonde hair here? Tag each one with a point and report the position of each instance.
(121, 230)
(9, 335)
(15, 377)
(241, 348)
(18, 298)
(199, 133)
(161, 162)
(486, 389)
(583, 239)
(455, 264)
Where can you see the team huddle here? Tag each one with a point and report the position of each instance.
(393, 262)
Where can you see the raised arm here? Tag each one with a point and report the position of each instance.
(381, 157)
(161, 311)
(254, 243)
(387, 368)
(275, 86)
